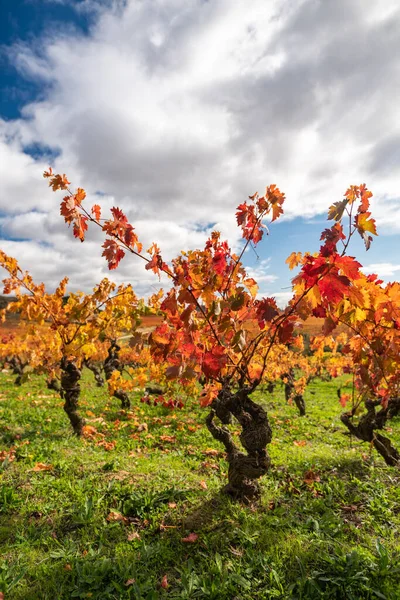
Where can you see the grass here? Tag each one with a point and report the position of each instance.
(104, 517)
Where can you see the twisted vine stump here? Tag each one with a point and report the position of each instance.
(95, 370)
(367, 425)
(290, 393)
(70, 390)
(244, 469)
(111, 364)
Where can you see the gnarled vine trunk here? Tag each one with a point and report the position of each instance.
(96, 372)
(70, 390)
(372, 420)
(244, 468)
(111, 364)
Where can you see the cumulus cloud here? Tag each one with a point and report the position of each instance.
(176, 111)
(384, 270)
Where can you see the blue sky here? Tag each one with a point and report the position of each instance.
(178, 111)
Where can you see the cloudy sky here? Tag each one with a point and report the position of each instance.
(177, 110)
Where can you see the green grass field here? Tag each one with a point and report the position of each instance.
(107, 517)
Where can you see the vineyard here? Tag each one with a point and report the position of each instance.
(202, 442)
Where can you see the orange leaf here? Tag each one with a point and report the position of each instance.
(96, 212)
(115, 516)
(203, 484)
(364, 223)
(190, 539)
(293, 260)
(42, 467)
(89, 431)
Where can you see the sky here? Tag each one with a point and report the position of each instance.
(177, 110)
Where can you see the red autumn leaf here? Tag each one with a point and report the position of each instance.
(164, 582)
(328, 326)
(266, 310)
(214, 361)
(241, 213)
(190, 539)
(333, 287)
(349, 267)
(170, 304)
(113, 253)
(319, 312)
(219, 261)
(285, 332)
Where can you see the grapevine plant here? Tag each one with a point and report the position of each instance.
(216, 330)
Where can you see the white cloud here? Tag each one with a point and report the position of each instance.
(178, 110)
(384, 270)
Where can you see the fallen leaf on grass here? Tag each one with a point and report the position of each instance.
(133, 535)
(190, 539)
(164, 582)
(107, 445)
(172, 504)
(67, 567)
(115, 516)
(171, 439)
(41, 467)
(209, 465)
(130, 582)
(7, 455)
(203, 484)
(310, 477)
(211, 452)
(89, 431)
(299, 443)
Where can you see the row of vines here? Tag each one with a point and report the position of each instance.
(217, 339)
